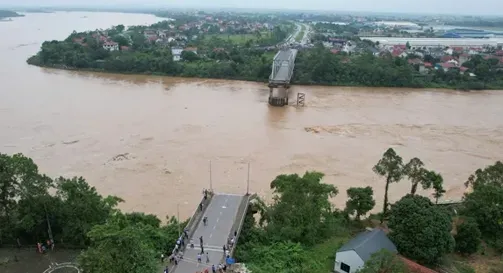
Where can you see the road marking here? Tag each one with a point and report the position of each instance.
(220, 213)
(214, 227)
(224, 207)
(211, 235)
(218, 219)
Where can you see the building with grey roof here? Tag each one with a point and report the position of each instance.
(352, 256)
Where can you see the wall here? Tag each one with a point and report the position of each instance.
(350, 258)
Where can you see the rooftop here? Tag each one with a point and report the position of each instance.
(369, 242)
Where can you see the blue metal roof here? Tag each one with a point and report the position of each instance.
(369, 242)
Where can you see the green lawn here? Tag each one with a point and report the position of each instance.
(299, 36)
(324, 254)
(236, 38)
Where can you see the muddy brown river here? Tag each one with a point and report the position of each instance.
(150, 139)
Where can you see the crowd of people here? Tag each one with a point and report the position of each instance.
(177, 253)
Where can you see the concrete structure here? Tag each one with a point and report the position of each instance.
(225, 214)
(282, 71)
(435, 42)
(352, 256)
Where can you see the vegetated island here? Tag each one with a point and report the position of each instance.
(189, 47)
(8, 14)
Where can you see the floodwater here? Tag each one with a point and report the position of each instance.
(150, 139)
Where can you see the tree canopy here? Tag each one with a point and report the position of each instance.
(391, 167)
(484, 203)
(467, 237)
(301, 207)
(361, 201)
(420, 230)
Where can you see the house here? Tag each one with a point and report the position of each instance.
(177, 53)
(334, 51)
(463, 58)
(352, 256)
(446, 66)
(111, 46)
(192, 49)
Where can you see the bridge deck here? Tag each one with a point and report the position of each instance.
(222, 212)
(282, 66)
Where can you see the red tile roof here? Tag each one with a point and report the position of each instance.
(124, 48)
(396, 52)
(499, 53)
(448, 65)
(463, 69)
(190, 49)
(335, 51)
(415, 267)
(428, 65)
(447, 58)
(110, 43)
(415, 61)
(403, 47)
(457, 49)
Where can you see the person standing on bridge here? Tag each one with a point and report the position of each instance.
(207, 258)
(201, 240)
(205, 220)
(199, 258)
(201, 206)
(166, 270)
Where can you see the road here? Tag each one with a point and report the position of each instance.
(221, 213)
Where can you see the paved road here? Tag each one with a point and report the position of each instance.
(221, 213)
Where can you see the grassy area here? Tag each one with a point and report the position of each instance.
(324, 254)
(237, 38)
(489, 263)
(299, 36)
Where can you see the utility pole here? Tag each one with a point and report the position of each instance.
(48, 224)
(248, 181)
(211, 181)
(178, 216)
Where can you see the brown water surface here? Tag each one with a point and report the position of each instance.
(150, 139)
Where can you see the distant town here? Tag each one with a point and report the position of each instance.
(435, 48)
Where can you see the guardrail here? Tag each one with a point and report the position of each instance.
(244, 208)
(192, 224)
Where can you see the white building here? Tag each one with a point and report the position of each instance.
(352, 256)
(111, 46)
(427, 43)
(177, 53)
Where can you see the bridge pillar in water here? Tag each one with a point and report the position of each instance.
(278, 95)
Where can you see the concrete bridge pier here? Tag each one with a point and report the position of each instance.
(278, 95)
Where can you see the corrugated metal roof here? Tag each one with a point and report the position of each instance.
(369, 242)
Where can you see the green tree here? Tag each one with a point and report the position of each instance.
(189, 56)
(82, 208)
(301, 211)
(384, 261)
(361, 201)
(120, 28)
(19, 180)
(437, 182)
(407, 45)
(468, 237)
(119, 249)
(416, 173)
(420, 230)
(391, 167)
(121, 40)
(484, 202)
